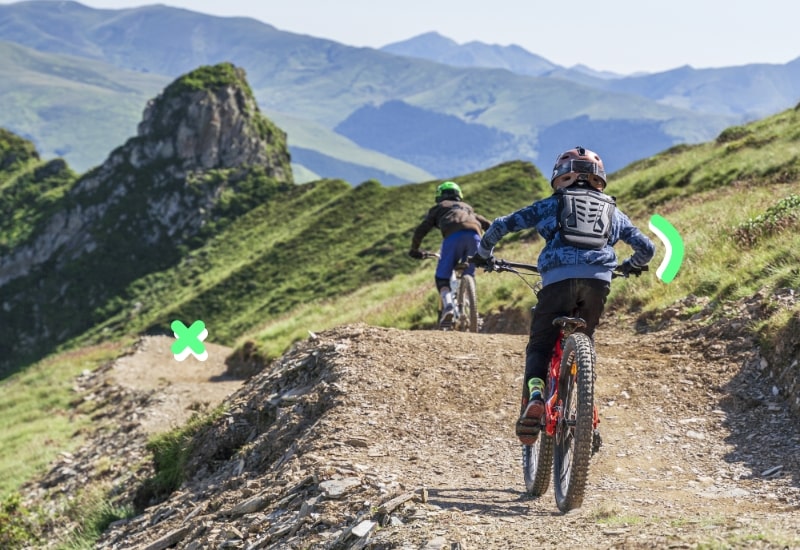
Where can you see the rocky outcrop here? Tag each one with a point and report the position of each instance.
(188, 130)
(201, 129)
(201, 138)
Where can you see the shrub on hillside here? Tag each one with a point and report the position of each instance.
(777, 218)
(16, 524)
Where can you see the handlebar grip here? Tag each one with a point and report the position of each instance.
(505, 264)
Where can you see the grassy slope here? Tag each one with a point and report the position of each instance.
(45, 95)
(707, 192)
(323, 240)
(36, 418)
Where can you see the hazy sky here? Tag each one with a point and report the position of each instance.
(623, 36)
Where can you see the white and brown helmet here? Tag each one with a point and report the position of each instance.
(578, 164)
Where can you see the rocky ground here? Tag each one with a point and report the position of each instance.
(365, 437)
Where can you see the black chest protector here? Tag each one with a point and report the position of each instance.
(584, 217)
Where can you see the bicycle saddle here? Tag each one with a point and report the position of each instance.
(569, 323)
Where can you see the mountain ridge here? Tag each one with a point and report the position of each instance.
(322, 81)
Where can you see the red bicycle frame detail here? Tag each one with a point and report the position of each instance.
(554, 405)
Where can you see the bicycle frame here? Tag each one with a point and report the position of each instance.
(553, 405)
(464, 312)
(571, 415)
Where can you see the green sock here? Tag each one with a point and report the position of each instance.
(535, 383)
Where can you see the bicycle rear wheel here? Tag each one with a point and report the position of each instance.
(574, 431)
(537, 463)
(467, 305)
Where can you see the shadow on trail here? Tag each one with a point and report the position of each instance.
(493, 502)
(764, 431)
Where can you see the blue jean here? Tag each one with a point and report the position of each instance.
(456, 247)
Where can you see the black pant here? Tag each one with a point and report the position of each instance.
(584, 298)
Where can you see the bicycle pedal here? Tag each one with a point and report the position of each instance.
(527, 431)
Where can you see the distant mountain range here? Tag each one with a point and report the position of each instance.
(75, 81)
(750, 91)
(435, 47)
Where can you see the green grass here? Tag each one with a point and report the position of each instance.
(92, 511)
(18, 525)
(171, 451)
(37, 420)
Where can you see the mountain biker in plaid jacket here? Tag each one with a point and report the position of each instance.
(580, 225)
(461, 228)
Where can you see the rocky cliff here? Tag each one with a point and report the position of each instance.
(202, 139)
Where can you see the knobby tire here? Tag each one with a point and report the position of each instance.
(537, 464)
(574, 432)
(467, 304)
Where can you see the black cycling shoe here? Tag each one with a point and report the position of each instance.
(529, 424)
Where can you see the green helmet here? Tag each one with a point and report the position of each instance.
(448, 189)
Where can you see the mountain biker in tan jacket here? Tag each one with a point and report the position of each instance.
(461, 229)
(580, 225)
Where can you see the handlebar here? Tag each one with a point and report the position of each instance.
(501, 265)
(505, 265)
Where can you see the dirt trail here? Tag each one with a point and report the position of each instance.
(686, 459)
(699, 450)
(178, 388)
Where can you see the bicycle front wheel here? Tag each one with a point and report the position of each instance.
(467, 305)
(537, 463)
(574, 431)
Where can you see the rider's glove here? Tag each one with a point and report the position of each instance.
(628, 268)
(415, 253)
(480, 261)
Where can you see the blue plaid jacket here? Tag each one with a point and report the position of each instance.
(557, 260)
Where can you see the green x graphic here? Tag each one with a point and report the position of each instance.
(187, 337)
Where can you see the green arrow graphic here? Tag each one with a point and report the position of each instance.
(673, 258)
